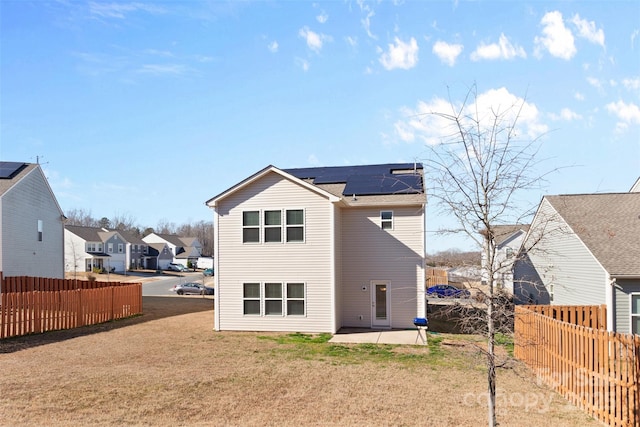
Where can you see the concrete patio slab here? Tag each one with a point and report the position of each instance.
(393, 336)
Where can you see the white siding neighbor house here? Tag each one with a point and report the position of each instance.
(94, 249)
(184, 249)
(317, 249)
(507, 240)
(586, 252)
(31, 223)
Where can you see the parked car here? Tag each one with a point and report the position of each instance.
(208, 272)
(176, 267)
(207, 290)
(447, 291)
(188, 289)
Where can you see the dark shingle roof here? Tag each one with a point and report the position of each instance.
(608, 224)
(504, 232)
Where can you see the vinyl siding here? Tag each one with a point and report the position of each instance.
(28, 201)
(560, 258)
(309, 262)
(623, 289)
(371, 253)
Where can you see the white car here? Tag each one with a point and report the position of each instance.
(176, 267)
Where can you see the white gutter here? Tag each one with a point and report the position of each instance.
(610, 306)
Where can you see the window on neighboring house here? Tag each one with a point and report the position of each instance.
(110, 248)
(386, 220)
(100, 247)
(295, 299)
(91, 247)
(295, 225)
(509, 252)
(273, 299)
(272, 226)
(635, 313)
(251, 298)
(251, 227)
(120, 248)
(40, 226)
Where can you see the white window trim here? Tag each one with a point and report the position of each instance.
(303, 225)
(303, 299)
(259, 227)
(382, 221)
(259, 299)
(265, 227)
(631, 313)
(283, 300)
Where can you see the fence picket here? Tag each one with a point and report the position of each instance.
(597, 370)
(35, 305)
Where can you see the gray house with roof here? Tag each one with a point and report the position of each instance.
(318, 249)
(184, 249)
(31, 223)
(584, 249)
(93, 248)
(507, 240)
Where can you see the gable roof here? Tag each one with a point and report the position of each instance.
(609, 226)
(12, 173)
(503, 233)
(367, 184)
(91, 234)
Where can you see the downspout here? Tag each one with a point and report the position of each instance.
(610, 306)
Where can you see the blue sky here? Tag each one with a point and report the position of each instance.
(148, 109)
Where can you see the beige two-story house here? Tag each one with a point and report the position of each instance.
(318, 249)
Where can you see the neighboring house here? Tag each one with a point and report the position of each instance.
(184, 249)
(507, 240)
(89, 248)
(31, 223)
(585, 250)
(317, 249)
(136, 250)
(159, 256)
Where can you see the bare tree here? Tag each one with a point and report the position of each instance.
(80, 217)
(477, 174)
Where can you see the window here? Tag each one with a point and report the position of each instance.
(251, 227)
(635, 314)
(40, 230)
(386, 220)
(110, 246)
(295, 299)
(273, 299)
(272, 226)
(99, 248)
(120, 248)
(91, 247)
(251, 298)
(295, 225)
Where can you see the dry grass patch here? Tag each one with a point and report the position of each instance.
(167, 368)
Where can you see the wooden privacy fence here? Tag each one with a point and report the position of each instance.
(597, 370)
(591, 316)
(436, 277)
(35, 311)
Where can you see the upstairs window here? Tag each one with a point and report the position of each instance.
(386, 220)
(251, 227)
(295, 225)
(110, 248)
(273, 226)
(120, 248)
(40, 227)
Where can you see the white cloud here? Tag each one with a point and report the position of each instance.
(631, 84)
(323, 17)
(366, 21)
(594, 82)
(566, 114)
(587, 30)
(501, 50)
(159, 69)
(314, 40)
(120, 10)
(352, 41)
(303, 63)
(401, 55)
(273, 46)
(579, 96)
(556, 39)
(421, 124)
(448, 53)
(628, 114)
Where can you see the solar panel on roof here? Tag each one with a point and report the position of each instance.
(10, 169)
(383, 184)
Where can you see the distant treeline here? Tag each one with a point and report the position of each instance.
(453, 258)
